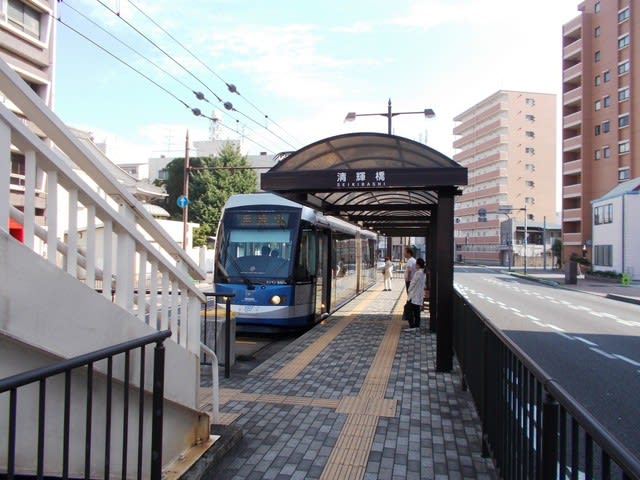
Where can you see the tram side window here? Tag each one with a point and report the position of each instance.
(307, 260)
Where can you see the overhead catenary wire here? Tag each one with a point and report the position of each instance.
(196, 111)
(227, 105)
(230, 86)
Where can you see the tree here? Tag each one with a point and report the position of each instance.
(212, 181)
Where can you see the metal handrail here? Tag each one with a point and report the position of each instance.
(21, 379)
(40, 375)
(593, 428)
(227, 337)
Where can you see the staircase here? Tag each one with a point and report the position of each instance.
(65, 293)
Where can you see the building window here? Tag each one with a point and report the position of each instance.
(597, 80)
(24, 18)
(163, 174)
(596, 7)
(606, 75)
(624, 174)
(603, 214)
(529, 150)
(603, 255)
(606, 152)
(530, 101)
(597, 105)
(623, 67)
(623, 120)
(623, 41)
(529, 183)
(623, 94)
(606, 126)
(596, 56)
(606, 101)
(623, 147)
(596, 130)
(623, 14)
(596, 32)
(529, 133)
(596, 154)
(530, 216)
(529, 200)
(530, 167)
(531, 118)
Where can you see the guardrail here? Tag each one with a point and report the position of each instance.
(531, 426)
(40, 376)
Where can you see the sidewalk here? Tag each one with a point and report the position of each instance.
(615, 291)
(356, 397)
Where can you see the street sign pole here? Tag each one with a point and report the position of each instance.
(185, 192)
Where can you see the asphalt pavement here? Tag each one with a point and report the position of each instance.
(589, 343)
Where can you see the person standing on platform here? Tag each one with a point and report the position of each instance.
(416, 293)
(409, 267)
(387, 271)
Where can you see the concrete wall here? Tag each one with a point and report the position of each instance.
(59, 317)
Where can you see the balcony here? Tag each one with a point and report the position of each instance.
(572, 50)
(572, 214)
(572, 72)
(572, 97)
(572, 190)
(472, 135)
(572, 119)
(572, 167)
(572, 238)
(572, 143)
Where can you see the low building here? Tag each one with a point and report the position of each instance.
(540, 239)
(616, 229)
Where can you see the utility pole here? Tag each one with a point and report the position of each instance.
(544, 242)
(185, 192)
(525, 239)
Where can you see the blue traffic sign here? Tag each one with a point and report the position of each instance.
(182, 201)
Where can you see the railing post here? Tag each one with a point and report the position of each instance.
(157, 417)
(5, 174)
(549, 438)
(227, 339)
(485, 392)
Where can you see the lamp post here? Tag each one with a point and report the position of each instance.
(351, 116)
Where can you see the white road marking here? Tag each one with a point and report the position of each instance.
(610, 315)
(557, 329)
(533, 318)
(568, 337)
(629, 323)
(540, 323)
(628, 360)
(596, 314)
(519, 314)
(604, 354)
(584, 340)
(514, 309)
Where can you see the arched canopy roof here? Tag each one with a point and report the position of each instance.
(386, 183)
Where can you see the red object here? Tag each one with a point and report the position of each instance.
(16, 230)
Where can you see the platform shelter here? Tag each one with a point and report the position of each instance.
(388, 184)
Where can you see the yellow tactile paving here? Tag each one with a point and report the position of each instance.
(304, 358)
(349, 456)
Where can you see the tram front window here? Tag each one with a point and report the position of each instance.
(261, 255)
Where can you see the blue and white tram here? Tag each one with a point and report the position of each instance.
(288, 265)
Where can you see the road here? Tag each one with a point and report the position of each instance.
(590, 344)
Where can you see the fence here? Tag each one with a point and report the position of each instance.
(532, 428)
(39, 376)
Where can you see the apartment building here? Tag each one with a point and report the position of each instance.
(507, 142)
(600, 140)
(27, 31)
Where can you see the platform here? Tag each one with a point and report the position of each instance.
(356, 397)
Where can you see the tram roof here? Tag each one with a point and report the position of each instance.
(385, 183)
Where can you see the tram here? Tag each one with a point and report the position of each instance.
(288, 265)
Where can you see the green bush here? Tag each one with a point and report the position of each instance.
(605, 274)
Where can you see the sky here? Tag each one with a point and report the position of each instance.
(304, 64)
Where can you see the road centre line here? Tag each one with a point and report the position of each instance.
(557, 329)
(626, 359)
(604, 354)
(584, 340)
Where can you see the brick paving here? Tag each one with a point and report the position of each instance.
(367, 404)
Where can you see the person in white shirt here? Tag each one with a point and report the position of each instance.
(386, 273)
(410, 267)
(416, 292)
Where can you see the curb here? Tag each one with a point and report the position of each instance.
(553, 283)
(622, 298)
(230, 437)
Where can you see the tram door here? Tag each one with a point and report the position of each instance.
(323, 277)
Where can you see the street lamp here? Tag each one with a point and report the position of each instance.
(351, 116)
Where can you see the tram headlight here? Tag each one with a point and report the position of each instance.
(276, 300)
